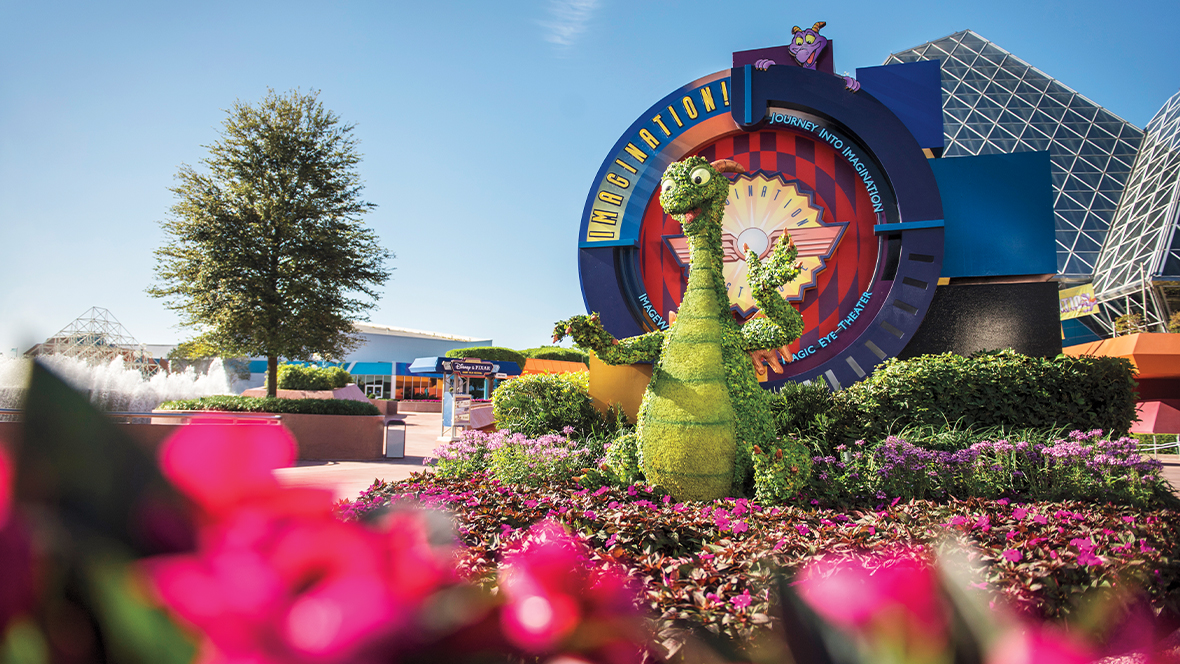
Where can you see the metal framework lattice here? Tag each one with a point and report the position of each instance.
(993, 102)
(1138, 270)
(97, 337)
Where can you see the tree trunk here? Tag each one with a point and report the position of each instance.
(272, 375)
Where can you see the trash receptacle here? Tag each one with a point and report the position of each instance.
(395, 439)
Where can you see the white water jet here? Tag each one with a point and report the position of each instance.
(111, 386)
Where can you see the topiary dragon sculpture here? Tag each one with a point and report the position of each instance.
(704, 414)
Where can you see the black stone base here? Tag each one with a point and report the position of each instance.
(969, 319)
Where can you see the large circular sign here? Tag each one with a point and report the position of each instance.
(869, 269)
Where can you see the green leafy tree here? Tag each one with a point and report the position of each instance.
(266, 253)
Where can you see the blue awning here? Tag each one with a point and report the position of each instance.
(371, 369)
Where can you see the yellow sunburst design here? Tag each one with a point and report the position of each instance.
(760, 210)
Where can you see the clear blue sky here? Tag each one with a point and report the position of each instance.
(482, 125)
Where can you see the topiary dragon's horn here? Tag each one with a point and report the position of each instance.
(795, 29)
(727, 166)
(818, 25)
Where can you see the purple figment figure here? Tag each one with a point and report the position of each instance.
(806, 47)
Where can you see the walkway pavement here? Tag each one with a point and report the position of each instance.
(1171, 470)
(347, 479)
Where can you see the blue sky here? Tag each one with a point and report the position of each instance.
(482, 126)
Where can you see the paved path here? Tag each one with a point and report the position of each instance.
(347, 479)
(1171, 470)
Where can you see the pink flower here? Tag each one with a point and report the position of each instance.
(276, 577)
(220, 465)
(742, 601)
(6, 474)
(1012, 555)
(1019, 513)
(863, 597)
(739, 527)
(555, 599)
(1036, 645)
(802, 528)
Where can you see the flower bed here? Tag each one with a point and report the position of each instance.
(714, 566)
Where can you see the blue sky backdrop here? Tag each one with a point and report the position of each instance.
(482, 126)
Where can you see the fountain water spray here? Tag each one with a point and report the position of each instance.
(112, 386)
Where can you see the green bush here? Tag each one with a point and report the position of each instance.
(299, 377)
(803, 410)
(780, 474)
(489, 354)
(557, 353)
(539, 404)
(268, 405)
(994, 389)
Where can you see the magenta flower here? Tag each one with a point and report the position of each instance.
(276, 577)
(554, 599)
(1036, 645)
(6, 473)
(1013, 556)
(857, 596)
(742, 601)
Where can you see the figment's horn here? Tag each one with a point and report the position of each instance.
(727, 166)
(817, 26)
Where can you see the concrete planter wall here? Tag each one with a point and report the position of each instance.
(323, 437)
(419, 406)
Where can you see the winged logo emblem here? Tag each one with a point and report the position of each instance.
(763, 208)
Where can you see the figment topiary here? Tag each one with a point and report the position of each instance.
(703, 410)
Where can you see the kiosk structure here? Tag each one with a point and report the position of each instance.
(457, 374)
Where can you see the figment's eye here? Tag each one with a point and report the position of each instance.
(810, 39)
(668, 186)
(700, 175)
(798, 41)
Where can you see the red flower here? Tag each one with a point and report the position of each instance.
(16, 554)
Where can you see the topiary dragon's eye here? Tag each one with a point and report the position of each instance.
(700, 175)
(668, 186)
(810, 39)
(798, 41)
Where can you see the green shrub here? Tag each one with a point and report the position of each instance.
(622, 459)
(489, 354)
(299, 377)
(269, 405)
(539, 404)
(803, 410)
(557, 353)
(995, 389)
(781, 473)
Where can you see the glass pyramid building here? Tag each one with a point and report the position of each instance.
(1138, 270)
(994, 102)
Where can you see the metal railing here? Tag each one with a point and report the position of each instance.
(1154, 447)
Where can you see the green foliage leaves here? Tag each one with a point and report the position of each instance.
(265, 249)
(272, 405)
(1002, 388)
(489, 354)
(557, 353)
(539, 404)
(299, 377)
(781, 472)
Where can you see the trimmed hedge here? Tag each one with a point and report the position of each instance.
(234, 404)
(557, 353)
(299, 377)
(489, 354)
(994, 389)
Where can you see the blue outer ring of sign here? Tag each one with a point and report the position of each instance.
(611, 279)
